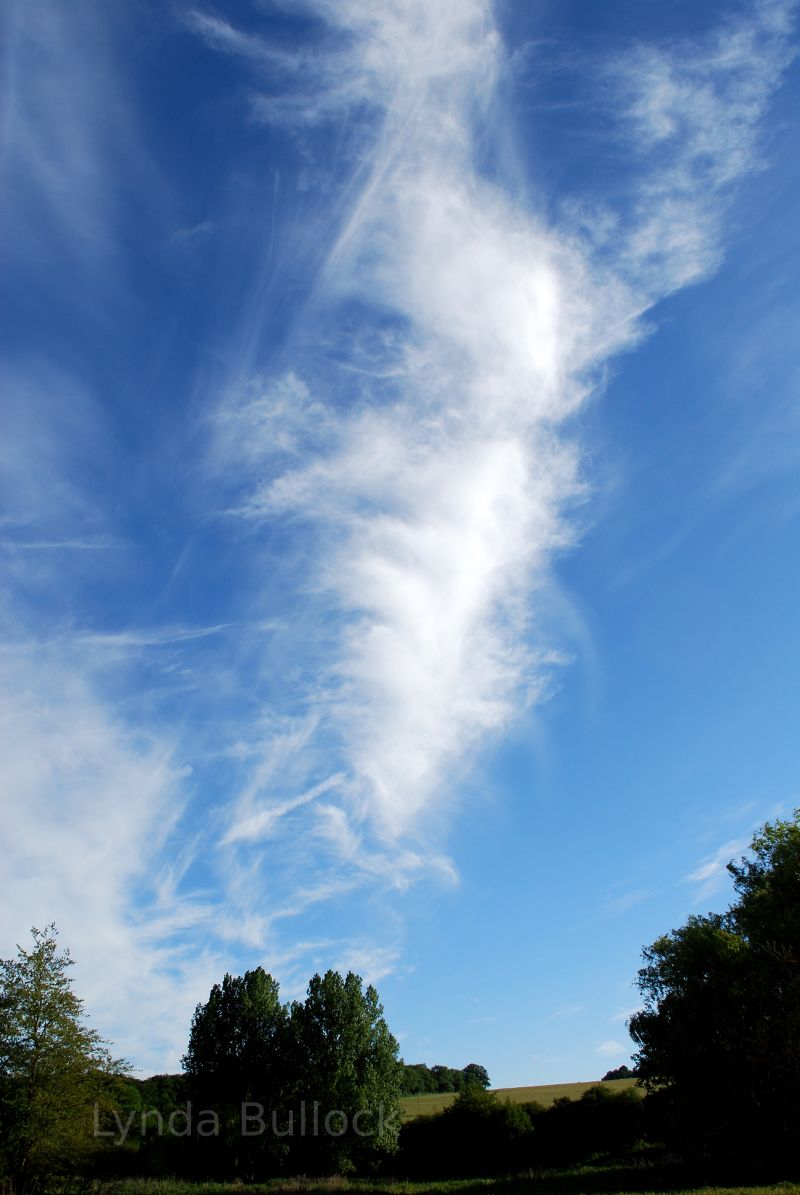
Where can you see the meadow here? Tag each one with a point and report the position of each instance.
(429, 1103)
(584, 1180)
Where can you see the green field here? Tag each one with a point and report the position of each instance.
(426, 1105)
(583, 1181)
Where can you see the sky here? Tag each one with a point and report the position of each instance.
(400, 500)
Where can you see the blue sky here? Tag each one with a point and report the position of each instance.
(400, 500)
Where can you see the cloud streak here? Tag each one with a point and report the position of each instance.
(438, 487)
(90, 809)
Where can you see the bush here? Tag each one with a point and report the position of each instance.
(480, 1135)
(477, 1135)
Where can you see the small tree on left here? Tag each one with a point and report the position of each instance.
(53, 1069)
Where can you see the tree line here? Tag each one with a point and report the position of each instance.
(267, 1087)
(313, 1086)
(419, 1079)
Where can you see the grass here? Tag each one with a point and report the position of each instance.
(586, 1180)
(425, 1105)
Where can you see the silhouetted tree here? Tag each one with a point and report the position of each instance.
(719, 1035)
(620, 1072)
(237, 1055)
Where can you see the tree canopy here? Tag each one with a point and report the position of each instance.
(346, 1064)
(52, 1067)
(312, 1085)
(719, 1033)
(476, 1075)
(419, 1079)
(236, 1038)
(236, 1056)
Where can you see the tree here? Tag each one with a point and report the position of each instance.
(416, 1079)
(446, 1078)
(53, 1069)
(237, 1055)
(476, 1135)
(620, 1072)
(476, 1075)
(348, 1073)
(719, 1034)
(235, 1040)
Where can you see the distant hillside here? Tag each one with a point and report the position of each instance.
(426, 1105)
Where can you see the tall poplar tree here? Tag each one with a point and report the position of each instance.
(347, 1073)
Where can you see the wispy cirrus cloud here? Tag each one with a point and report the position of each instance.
(565, 1010)
(711, 873)
(612, 1049)
(70, 150)
(89, 807)
(624, 1015)
(437, 487)
(691, 111)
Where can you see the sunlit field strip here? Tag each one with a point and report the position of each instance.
(427, 1104)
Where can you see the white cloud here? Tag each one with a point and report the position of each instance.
(612, 1049)
(711, 874)
(694, 111)
(621, 902)
(263, 821)
(70, 150)
(89, 806)
(624, 1015)
(435, 502)
(565, 1010)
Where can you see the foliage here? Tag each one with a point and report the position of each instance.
(619, 1072)
(602, 1121)
(416, 1079)
(419, 1079)
(314, 1087)
(53, 1069)
(476, 1075)
(345, 1061)
(236, 1038)
(480, 1134)
(237, 1056)
(722, 1000)
(477, 1135)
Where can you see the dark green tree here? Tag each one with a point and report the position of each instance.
(719, 1034)
(237, 1055)
(54, 1071)
(446, 1078)
(619, 1072)
(476, 1075)
(416, 1079)
(349, 1077)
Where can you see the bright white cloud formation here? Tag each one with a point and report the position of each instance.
(439, 502)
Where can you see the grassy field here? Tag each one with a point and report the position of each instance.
(586, 1180)
(426, 1105)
